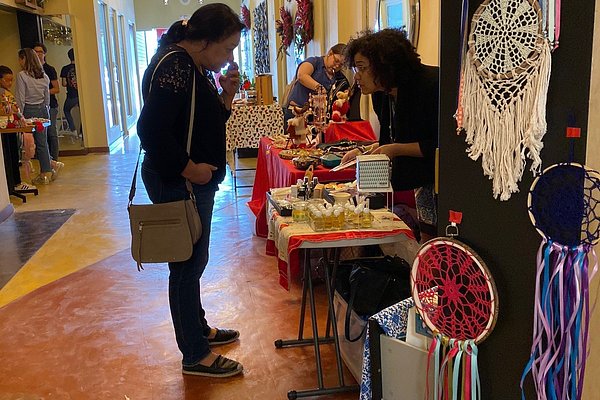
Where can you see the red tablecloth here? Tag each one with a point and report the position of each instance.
(355, 130)
(275, 172)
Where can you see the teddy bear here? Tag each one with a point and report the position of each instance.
(340, 106)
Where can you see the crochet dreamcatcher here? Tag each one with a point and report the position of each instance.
(563, 207)
(503, 86)
(461, 311)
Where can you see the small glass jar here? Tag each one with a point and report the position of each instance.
(299, 211)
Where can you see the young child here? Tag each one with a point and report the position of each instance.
(10, 141)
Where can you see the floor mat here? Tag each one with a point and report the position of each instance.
(22, 234)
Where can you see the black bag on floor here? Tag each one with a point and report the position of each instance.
(371, 284)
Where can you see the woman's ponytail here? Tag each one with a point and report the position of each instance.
(175, 34)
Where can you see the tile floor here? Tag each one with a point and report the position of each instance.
(77, 321)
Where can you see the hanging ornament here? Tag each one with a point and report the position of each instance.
(563, 207)
(456, 296)
(504, 84)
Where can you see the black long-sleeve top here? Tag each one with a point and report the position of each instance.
(414, 119)
(163, 123)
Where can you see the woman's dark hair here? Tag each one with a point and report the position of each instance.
(393, 59)
(212, 22)
(71, 55)
(338, 49)
(4, 70)
(33, 66)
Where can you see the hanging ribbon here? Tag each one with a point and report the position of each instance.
(561, 322)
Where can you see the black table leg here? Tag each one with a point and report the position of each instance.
(316, 341)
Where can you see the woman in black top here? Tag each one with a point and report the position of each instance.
(405, 96)
(191, 50)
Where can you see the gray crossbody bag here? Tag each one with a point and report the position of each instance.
(165, 232)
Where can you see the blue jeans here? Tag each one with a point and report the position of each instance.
(70, 102)
(53, 135)
(40, 138)
(189, 322)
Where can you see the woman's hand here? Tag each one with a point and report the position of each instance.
(387, 149)
(200, 173)
(230, 82)
(351, 155)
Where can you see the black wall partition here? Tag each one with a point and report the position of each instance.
(501, 231)
(30, 28)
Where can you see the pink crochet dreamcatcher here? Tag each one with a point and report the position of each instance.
(456, 296)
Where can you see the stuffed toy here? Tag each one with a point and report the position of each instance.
(340, 107)
(297, 129)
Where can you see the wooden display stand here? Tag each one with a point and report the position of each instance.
(264, 89)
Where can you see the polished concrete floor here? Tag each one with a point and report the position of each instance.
(78, 321)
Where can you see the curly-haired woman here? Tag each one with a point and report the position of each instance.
(405, 96)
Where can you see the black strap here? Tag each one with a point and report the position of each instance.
(188, 184)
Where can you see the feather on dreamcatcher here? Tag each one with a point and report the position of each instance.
(504, 83)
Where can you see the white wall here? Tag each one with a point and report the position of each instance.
(152, 14)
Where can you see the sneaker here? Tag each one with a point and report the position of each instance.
(224, 336)
(41, 179)
(222, 367)
(23, 187)
(57, 167)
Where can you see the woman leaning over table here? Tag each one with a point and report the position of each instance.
(33, 98)
(314, 73)
(405, 98)
(203, 44)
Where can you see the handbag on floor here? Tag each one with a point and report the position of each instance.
(164, 232)
(373, 284)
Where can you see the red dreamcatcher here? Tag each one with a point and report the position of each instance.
(456, 296)
(246, 16)
(285, 29)
(303, 24)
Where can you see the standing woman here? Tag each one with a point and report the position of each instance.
(314, 73)
(33, 98)
(405, 96)
(189, 51)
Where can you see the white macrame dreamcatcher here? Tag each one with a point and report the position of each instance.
(504, 83)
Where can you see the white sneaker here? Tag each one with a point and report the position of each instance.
(22, 187)
(57, 167)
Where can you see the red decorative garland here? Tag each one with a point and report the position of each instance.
(246, 16)
(303, 24)
(285, 29)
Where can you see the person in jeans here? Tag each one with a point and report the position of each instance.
(33, 98)
(188, 52)
(68, 76)
(41, 50)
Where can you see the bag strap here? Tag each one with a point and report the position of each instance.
(188, 184)
(349, 314)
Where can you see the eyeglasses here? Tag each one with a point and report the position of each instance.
(360, 68)
(338, 60)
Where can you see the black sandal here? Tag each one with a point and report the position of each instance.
(224, 336)
(222, 367)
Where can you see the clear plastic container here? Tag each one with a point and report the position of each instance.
(299, 211)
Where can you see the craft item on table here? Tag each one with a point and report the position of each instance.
(563, 207)
(340, 107)
(461, 312)
(503, 90)
(297, 129)
(318, 110)
(289, 154)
